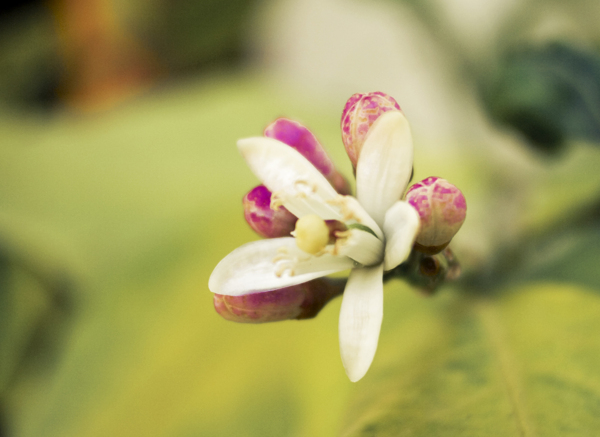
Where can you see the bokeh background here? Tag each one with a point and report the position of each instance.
(121, 187)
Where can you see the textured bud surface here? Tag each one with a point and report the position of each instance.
(359, 114)
(304, 141)
(442, 210)
(267, 222)
(296, 302)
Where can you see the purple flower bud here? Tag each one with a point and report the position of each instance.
(303, 140)
(267, 222)
(442, 209)
(359, 114)
(301, 301)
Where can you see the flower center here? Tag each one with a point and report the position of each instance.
(316, 236)
(312, 234)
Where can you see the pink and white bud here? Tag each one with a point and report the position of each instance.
(301, 301)
(267, 222)
(359, 114)
(304, 141)
(442, 209)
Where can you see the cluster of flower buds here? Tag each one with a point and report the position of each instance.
(440, 205)
(270, 220)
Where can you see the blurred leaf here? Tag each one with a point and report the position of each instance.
(567, 256)
(523, 363)
(191, 34)
(33, 314)
(136, 207)
(29, 56)
(549, 93)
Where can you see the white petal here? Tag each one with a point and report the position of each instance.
(401, 227)
(290, 176)
(361, 246)
(384, 165)
(353, 212)
(255, 267)
(360, 320)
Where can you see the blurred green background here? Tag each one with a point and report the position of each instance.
(121, 187)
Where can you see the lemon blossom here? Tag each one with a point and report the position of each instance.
(380, 231)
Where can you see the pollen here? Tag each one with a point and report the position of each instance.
(312, 234)
(276, 201)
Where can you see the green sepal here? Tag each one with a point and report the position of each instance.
(362, 228)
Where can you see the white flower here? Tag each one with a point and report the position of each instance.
(382, 230)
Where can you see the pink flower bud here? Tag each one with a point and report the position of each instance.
(303, 140)
(267, 222)
(301, 301)
(359, 114)
(442, 209)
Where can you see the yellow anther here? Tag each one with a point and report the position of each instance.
(276, 201)
(284, 268)
(280, 257)
(301, 184)
(345, 208)
(312, 234)
(343, 234)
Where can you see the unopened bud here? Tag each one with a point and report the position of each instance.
(442, 209)
(427, 272)
(267, 222)
(301, 301)
(304, 141)
(359, 114)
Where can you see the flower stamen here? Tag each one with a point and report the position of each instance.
(353, 213)
(284, 261)
(276, 201)
(302, 186)
(345, 209)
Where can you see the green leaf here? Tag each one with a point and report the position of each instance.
(524, 363)
(549, 93)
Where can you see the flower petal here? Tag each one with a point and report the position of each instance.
(400, 227)
(292, 179)
(385, 164)
(360, 320)
(363, 247)
(271, 264)
(353, 212)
